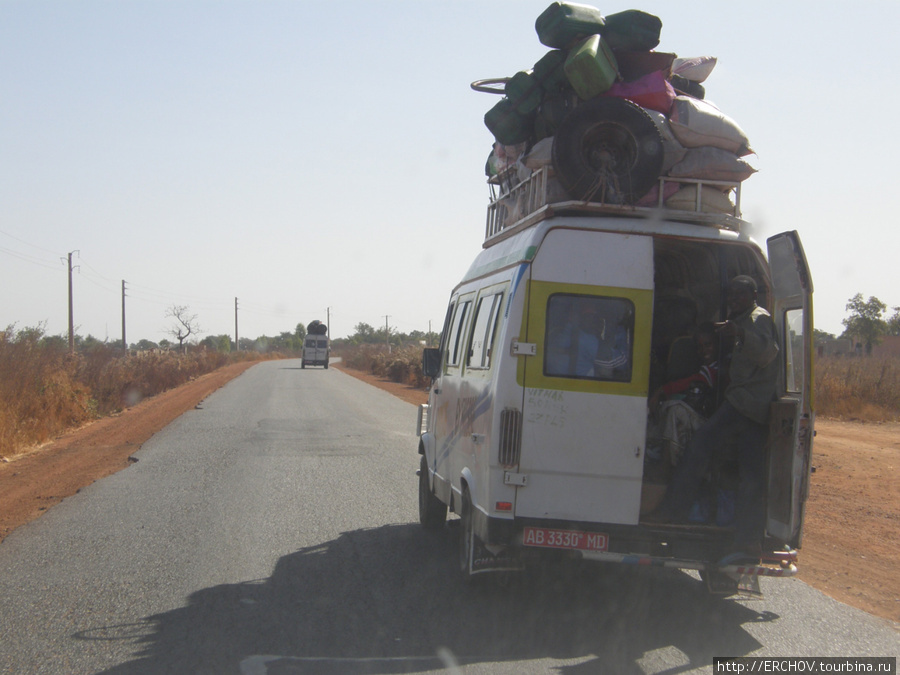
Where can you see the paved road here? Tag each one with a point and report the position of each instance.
(273, 531)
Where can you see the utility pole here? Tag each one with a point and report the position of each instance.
(237, 345)
(328, 322)
(387, 333)
(124, 341)
(71, 313)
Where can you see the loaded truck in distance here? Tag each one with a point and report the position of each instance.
(316, 346)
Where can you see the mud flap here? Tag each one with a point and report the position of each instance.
(493, 558)
(731, 583)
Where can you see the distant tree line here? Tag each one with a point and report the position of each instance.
(387, 335)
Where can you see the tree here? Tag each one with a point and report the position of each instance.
(217, 343)
(865, 322)
(300, 331)
(387, 335)
(894, 323)
(286, 341)
(145, 345)
(184, 324)
(365, 334)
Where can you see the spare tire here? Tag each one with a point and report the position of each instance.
(607, 150)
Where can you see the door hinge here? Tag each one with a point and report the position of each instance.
(523, 348)
(512, 478)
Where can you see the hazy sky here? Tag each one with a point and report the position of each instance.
(309, 155)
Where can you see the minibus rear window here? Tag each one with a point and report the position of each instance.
(589, 337)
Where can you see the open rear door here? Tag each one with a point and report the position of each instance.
(791, 427)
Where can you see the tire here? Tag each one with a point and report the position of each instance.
(303, 364)
(466, 537)
(607, 150)
(432, 511)
(326, 365)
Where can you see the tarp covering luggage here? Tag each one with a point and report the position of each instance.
(317, 328)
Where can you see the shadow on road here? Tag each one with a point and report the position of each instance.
(387, 600)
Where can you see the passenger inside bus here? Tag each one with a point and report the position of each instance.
(679, 407)
(589, 337)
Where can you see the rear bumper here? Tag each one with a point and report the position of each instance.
(682, 547)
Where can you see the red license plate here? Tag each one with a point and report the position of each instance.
(545, 537)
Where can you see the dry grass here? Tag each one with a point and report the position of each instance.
(865, 389)
(45, 391)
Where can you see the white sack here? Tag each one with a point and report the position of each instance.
(711, 200)
(540, 154)
(709, 163)
(696, 123)
(696, 68)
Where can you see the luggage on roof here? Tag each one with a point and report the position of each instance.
(564, 23)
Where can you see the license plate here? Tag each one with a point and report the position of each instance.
(545, 537)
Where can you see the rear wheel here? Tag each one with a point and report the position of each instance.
(466, 536)
(303, 364)
(432, 511)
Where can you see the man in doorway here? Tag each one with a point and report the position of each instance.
(743, 416)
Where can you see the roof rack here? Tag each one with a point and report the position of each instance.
(516, 204)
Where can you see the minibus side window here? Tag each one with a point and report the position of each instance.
(492, 330)
(483, 332)
(589, 337)
(455, 347)
(445, 329)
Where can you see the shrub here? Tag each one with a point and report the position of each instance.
(403, 364)
(40, 397)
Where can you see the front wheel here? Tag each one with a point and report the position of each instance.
(432, 511)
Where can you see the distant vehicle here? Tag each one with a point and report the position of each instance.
(543, 455)
(316, 346)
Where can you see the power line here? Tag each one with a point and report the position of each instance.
(30, 259)
(22, 241)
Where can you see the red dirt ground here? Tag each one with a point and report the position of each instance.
(851, 547)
